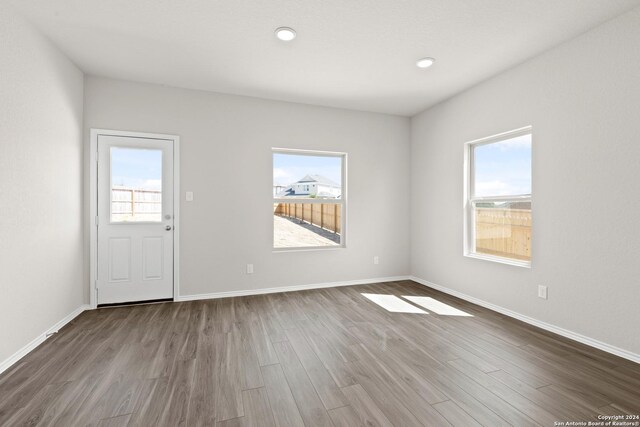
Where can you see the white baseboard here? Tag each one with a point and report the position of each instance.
(6, 364)
(289, 288)
(535, 322)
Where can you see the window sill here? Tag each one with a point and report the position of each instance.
(501, 260)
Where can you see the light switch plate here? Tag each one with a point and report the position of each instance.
(249, 268)
(542, 292)
(189, 196)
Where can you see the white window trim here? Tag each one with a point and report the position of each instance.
(341, 201)
(469, 199)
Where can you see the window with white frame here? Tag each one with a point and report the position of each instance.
(309, 199)
(498, 198)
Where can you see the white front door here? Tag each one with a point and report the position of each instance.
(135, 219)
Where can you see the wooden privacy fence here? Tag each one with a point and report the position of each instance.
(504, 232)
(324, 215)
(132, 204)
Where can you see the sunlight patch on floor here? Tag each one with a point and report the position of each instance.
(436, 306)
(393, 304)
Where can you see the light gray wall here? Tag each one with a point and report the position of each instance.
(583, 100)
(225, 154)
(41, 269)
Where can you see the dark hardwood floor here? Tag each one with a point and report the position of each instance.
(327, 357)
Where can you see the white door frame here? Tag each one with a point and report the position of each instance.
(93, 205)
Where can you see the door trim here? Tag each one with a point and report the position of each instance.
(93, 205)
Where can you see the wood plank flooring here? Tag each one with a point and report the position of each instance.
(327, 357)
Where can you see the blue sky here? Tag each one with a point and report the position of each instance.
(136, 168)
(289, 168)
(503, 168)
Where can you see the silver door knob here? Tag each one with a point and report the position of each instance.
(168, 228)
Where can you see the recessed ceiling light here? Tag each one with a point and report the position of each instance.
(285, 33)
(425, 62)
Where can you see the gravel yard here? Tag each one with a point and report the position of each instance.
(289, 233)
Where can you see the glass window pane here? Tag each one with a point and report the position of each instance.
(503, 229)
(307, 176)
(136, 185)
(503, 168)
(303, 225)
(300, 177)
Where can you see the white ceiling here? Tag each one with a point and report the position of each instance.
(356, 54)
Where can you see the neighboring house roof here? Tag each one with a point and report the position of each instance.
(318, 179)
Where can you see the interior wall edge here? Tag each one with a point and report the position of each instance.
(262, 291)
(15, 357)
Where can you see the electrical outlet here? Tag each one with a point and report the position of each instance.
(542, 291)
(189, 196)
(376, 260)
(249, 268)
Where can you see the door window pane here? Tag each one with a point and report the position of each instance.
(136, 185)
